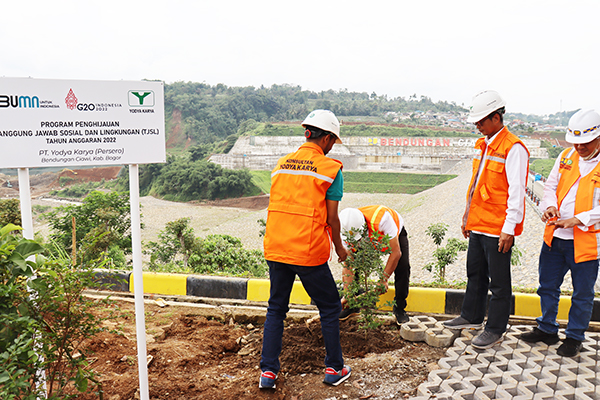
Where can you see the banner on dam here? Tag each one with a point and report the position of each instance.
(49, 123)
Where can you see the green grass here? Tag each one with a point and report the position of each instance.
(371, 182)
(262, 180)
(542, 166)
(391, 182)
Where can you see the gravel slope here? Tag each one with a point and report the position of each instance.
(443, 203)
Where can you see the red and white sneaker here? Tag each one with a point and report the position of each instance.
(267, 380)
(334, 378)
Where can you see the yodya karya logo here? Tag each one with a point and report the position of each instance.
(141, 98)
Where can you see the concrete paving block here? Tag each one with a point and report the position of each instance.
(526, 364)
(587, 382)
(530, 353)
(509, 354)
(438, 376)
(449, 363)
(595, 357)
(452, 385)
(585, 394)
(544, 396)
(590, 377)
(587, 362)
(476, 381)
(423, 319)
(440, 336)
(514, 392)
(479, 369)
(454, 352)
(565, 394)
(548, 363)
(413, 331)
(534, 388)
(469, 334)
(461, 343)
(485, 393)
(428, 389)
(521, 377)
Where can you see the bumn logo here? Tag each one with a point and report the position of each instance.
(71, 100)
(141, 98)
(19, 101)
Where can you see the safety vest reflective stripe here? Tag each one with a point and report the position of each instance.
(310, 173)
(497, 159)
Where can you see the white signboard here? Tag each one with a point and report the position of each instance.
(46, 123)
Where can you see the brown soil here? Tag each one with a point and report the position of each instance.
(250, 203)
(196, 358)
(41, 184)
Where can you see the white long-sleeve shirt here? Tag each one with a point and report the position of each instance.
(567, 207)
(515, 167)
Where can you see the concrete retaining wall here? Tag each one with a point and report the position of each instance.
(417, 154)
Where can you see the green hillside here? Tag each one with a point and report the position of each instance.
(372, 182)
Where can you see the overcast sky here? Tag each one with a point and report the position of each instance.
(542, 56)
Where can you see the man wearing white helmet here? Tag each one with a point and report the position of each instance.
(493, 216)
(302, 223)
(571, 207)
(388, 222)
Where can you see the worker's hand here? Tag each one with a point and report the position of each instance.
(464, 231)
(383, 286)
(565, 223)
(344, 302)
(505, 242)
(342, 253)
(550, 213)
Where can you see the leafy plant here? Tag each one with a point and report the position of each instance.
(102, 227)
(365, 263)
(10, 212)
(179, 250)
(444, 255)
(176, 239)
(44, 321)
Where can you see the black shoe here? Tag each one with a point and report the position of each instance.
(569, 348)
(401, 317)
(348, 312)
(538, 335)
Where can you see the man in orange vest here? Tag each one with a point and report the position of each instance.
(388, 222)
(571, 207)
(302, 224)
(493, 216)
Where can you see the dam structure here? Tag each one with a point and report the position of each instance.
(358, 153)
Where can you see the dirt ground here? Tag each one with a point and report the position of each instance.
(192, 357)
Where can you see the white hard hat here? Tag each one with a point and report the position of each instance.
(326, 120)
(584, 126)
(483, 104)
(351, 221)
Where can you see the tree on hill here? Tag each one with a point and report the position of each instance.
(213, 113)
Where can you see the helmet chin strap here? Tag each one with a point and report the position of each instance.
(593, 154)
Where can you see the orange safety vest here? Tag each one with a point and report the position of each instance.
(373, 215)
(297, 232)
(587, 244)
(487, 211)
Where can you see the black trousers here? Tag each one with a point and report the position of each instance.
(402, 273)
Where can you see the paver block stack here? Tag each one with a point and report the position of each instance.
(423, 328)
